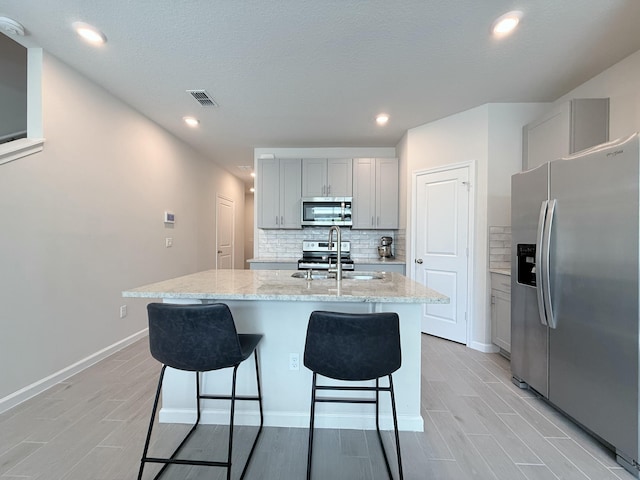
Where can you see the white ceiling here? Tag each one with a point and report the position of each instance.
(315, 73)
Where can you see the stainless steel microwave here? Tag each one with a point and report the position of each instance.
(326, 211)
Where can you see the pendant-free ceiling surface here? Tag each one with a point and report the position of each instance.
(316, 73)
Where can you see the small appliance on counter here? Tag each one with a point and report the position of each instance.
(384, 249)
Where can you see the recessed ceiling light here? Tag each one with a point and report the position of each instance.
(90, 33)
(192, 122)
(382, 119)
(505, 24)
(252, 189)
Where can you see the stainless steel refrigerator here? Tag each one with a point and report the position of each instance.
(575, 289)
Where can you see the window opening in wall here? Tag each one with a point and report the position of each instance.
(13, 90)
(20, 99)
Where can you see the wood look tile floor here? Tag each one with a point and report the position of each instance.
(477, 426)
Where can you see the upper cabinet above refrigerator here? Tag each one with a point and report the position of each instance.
(571, 127)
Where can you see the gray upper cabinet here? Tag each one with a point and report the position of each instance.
(571, 127)
(375, 193)
(322, 177)
(278, 194)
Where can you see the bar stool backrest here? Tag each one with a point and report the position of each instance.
(193, 337)
(353, 346)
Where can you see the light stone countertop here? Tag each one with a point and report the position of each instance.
(279, 285)
(501, 271)
(379, 261)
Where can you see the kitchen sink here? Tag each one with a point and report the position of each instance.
(314, 275)
(362, 276)
(345, 275)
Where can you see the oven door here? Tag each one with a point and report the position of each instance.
(326, 211)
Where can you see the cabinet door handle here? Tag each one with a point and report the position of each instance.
(277, 220)
(328, 190)
(372, 224)
(378, 221)
(281, 220)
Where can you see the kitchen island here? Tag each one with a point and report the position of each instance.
(277, 305)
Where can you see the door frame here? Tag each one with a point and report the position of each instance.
(411, 267)
(233, 229)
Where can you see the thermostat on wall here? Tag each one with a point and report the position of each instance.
(169, 217)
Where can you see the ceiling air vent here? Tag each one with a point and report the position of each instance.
(203, 98)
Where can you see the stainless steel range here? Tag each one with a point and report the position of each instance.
(317, 255)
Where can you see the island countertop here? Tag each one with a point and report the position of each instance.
(279, 285)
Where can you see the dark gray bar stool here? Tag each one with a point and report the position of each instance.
(199, 338)
(354, 347)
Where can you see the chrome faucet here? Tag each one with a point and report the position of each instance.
(338, 268)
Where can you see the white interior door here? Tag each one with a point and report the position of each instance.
(224, 232)
(441, 248)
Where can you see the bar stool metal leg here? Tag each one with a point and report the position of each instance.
(311, 423)
(233, 397)
(181, 336)
(171, 459)
(253, 447)
(199, 397)
(377, 389)
(395, 426)
(153, 416)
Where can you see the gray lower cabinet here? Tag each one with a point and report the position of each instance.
(501, 311)
(275, 265)
(380, 267)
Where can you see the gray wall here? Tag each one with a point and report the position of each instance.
(13, 87)
(83, 220)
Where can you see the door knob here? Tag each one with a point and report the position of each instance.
(419, 260)
(219, 251)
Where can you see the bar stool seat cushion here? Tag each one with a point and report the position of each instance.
(344, 347)
(185, 338)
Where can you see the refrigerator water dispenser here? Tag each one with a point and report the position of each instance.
(526, 258)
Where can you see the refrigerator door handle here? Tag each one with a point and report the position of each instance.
(539, 262)
(546, 252)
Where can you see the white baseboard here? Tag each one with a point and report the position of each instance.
(40, 386)
(484, 347)
(406, 423)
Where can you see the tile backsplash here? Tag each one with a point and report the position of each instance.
(288, 243)
(500, 247)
